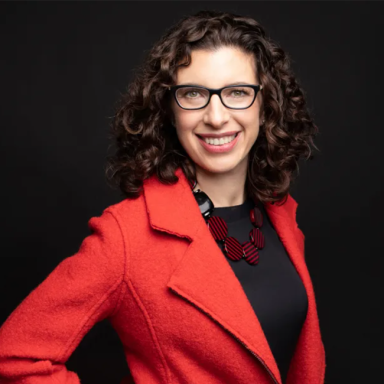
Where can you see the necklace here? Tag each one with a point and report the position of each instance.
(233, 249)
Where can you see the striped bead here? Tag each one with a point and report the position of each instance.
(251, 254)
(218, 227)
(256, 217)
(233, 249)
(257, 238)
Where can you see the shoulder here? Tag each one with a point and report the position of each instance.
(127, 208)
(113, 232)
(124, 217)
(131, 219)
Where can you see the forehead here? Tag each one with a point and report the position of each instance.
(218, 68)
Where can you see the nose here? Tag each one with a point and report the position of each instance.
(216, 113)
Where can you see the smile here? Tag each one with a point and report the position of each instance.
(219, 145)
(221, 141)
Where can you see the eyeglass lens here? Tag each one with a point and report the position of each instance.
(233, 97)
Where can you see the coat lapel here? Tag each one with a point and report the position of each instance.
(205, 279)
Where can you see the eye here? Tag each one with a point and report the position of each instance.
(191, 92)
(239, 92)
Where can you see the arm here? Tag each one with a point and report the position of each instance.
(42, 332)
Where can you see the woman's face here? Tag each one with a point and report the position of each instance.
(217, 69)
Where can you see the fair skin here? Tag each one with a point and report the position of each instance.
(221, 176)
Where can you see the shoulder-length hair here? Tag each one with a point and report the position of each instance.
(146, 140)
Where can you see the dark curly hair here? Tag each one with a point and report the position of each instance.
(142, 127)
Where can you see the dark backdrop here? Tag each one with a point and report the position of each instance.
(63, 66)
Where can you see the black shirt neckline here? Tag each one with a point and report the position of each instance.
(236, 212)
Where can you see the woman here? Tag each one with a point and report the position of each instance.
(200, 268)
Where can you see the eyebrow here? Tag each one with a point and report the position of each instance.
(227, 85)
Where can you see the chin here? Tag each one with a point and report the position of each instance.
(218, 168)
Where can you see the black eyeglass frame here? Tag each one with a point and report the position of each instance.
(214, 91)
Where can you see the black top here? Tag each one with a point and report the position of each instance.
(273, 287)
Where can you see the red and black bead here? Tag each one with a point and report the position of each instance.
(233, 248)
(257, 238)
(256, 217)
(251, 254)
(218, 227)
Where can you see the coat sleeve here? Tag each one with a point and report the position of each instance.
(39, 336)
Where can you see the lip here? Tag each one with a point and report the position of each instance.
(217, 135)
(219, 148)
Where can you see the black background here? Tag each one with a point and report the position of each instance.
(63, 67)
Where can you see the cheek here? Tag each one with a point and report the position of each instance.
(251, 125)
(253, 133)
(253, 128)
(184, 136)
(185, 126)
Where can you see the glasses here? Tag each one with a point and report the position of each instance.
(233, 97)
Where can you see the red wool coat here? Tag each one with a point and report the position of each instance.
(151, 266)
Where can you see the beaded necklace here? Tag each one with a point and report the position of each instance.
(233, 249)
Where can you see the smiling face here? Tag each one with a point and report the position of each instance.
(217, 69)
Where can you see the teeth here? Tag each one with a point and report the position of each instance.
(221, 141)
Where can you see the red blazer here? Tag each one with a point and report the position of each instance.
(151, 266)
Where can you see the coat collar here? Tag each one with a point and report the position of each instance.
(213, 287)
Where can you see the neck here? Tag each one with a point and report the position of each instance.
(224, 189)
